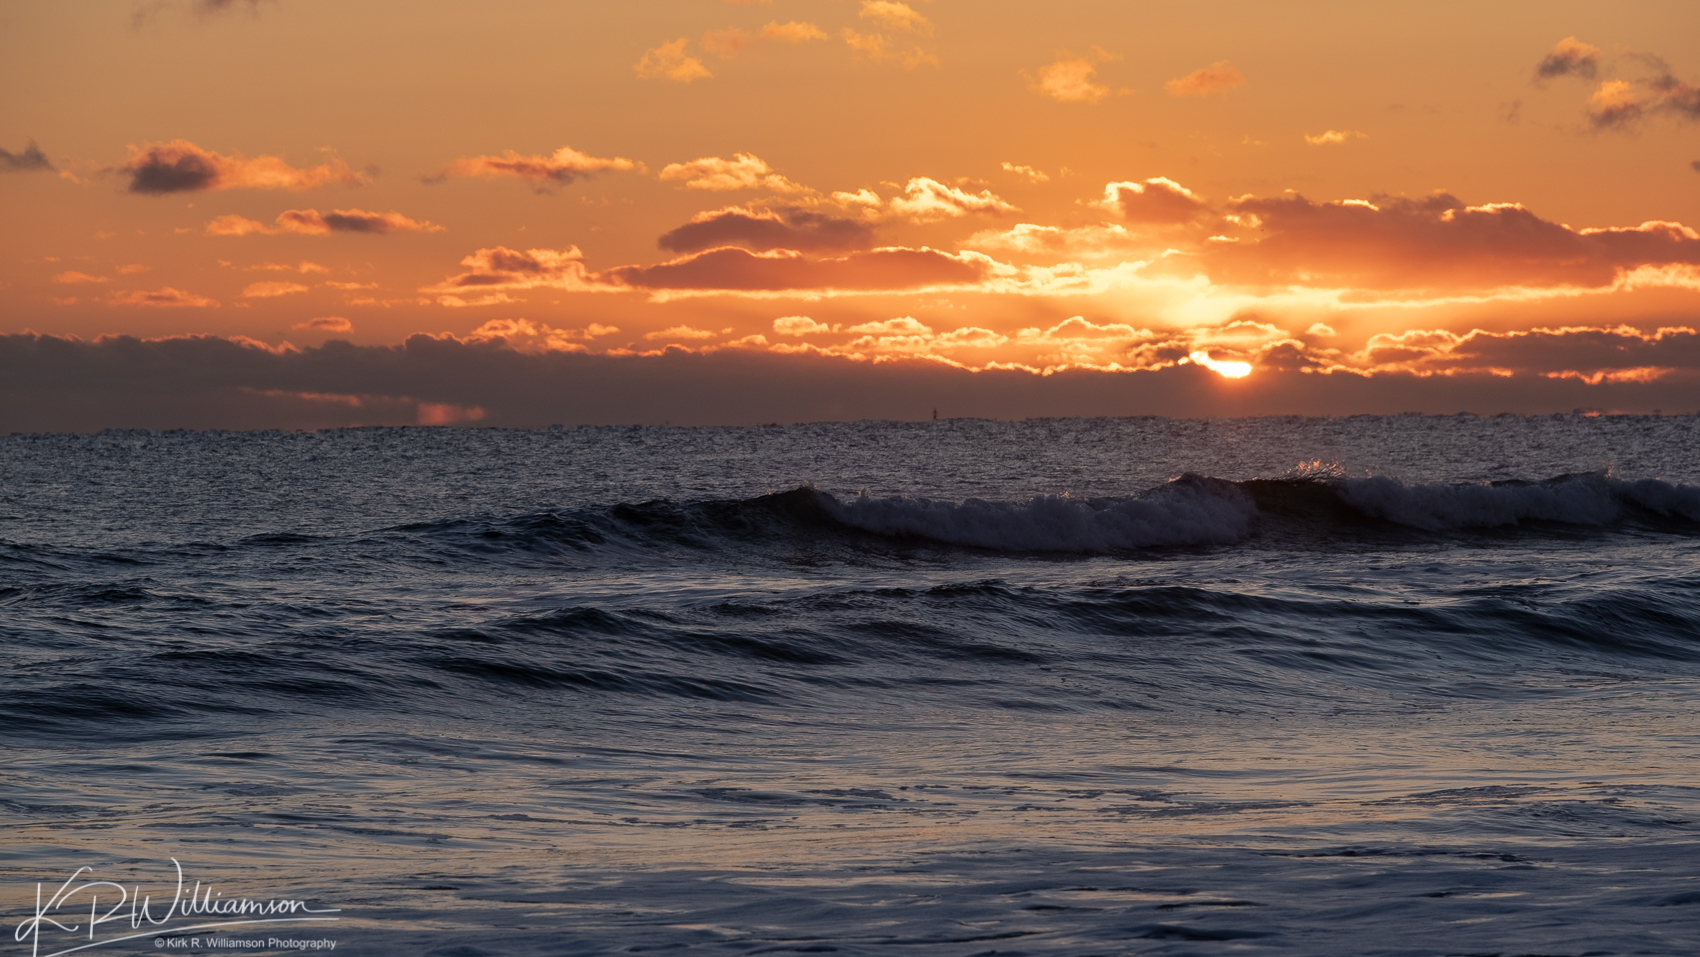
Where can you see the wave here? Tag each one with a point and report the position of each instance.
(1191, 511)
(1593, 499)
(1196, 510)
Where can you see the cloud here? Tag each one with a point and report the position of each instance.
(907, 326)
(742, 171)
(680, 332)
(30, 160)
(311, 222)
(671, 61)
(1334, 137)
(1619, 103)
(212, 7)
(50, 383)
(133, 269)
(1029, 173)
(73, 278)
(1569, 57)
(1675, 96)
(799, 326)
(733, 41)
(271, 290)
(1068, 80)
(303, 267)
(785, 228)
(325, 324)
(538, 337)
(926, 199)
(1615, 103)
(1590, 354)
(501, 268)
(1435, 243)
(182, 167)
(1052, 243)
(894, 16)
(792, 32)
(1219, 77)
(163, 298)
(1157, 200)
(563, 166)
(742, 271)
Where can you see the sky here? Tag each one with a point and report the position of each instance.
(300, 213)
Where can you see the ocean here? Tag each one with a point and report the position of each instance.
(1397, 685)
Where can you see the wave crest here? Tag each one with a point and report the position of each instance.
(1589, 499)
(1191, 510)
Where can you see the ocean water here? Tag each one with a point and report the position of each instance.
(1352, 686)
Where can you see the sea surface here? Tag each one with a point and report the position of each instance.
(1407, 685)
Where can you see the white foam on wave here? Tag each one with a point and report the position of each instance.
(1191, 510)
(1592, 499)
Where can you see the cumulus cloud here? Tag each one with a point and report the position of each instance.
(680, 332)
(925, 199)
(74, 278)
(1218, 77)
(792, 32)
(1433, 243)
(742, 171)
(785, 228)
(1589, 354)
(271, 290)
(527, 336)
(163, 298)
(734, 41)
(182, 167)
(799, 326)
(563, 166)
(1027, 172)
(1620, 102)
(311, 222)
(1334, 137)
(898, 25)
(894, 16)
(739, 270)
(1068, 80)
(670, 60)
(325, 324)
(1617, 104)
(1569, 57)
(30, 160)
(501, 269)
(1053, 243)
(907, 325)
(1157, 200)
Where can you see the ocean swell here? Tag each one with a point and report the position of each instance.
(1191, 510)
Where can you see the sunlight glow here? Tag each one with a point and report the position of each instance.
(1233, 370)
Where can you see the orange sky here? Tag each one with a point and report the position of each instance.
(1322, 189)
